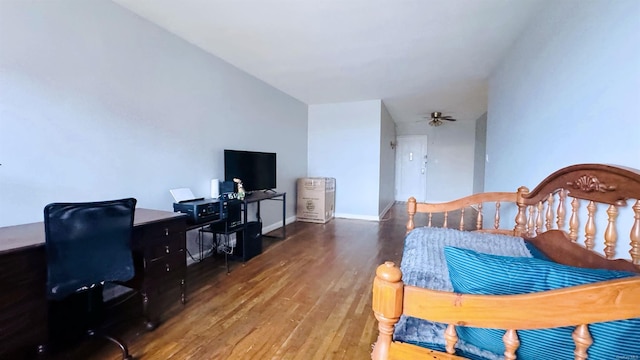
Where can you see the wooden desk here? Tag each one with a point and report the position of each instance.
(159, 253)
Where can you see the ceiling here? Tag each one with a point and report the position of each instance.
(418, 56)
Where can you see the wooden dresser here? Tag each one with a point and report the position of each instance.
(159, 251)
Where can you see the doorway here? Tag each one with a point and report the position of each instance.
(411, 167)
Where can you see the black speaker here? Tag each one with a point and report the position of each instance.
(249, 241)
(227, 187)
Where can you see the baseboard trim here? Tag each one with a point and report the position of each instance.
(386, 210)
(278, 225)
(357, 217)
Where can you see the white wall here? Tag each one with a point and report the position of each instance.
(450, 158)
(387, 162)
(480, 150)
(567, 93)
(344, 143)
(97, 103)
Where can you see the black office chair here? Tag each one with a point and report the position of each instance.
(87, 244)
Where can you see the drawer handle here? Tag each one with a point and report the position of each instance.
(166, 249)
(168, 268)
(166, 232)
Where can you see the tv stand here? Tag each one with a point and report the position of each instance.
(257, 197)
(245, 249)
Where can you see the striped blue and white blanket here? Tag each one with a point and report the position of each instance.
(423, 265)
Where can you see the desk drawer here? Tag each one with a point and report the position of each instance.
(23, 305)
(23, 327)
(166, 265)
(22, 275)
(167, 283)
(162, 229)
(165, 246)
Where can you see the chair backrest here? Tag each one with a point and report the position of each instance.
(87, 243)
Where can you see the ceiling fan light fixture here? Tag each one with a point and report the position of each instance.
(437, 117)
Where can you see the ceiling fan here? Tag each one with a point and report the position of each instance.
(437, 117)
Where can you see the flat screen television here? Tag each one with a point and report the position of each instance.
(257, 170)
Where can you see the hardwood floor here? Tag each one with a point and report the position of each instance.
(305, 297)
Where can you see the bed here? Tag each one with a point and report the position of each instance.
(551, 284)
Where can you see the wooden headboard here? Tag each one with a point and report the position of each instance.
(597, 185)
(582, 200)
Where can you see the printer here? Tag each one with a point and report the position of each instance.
(201, 210)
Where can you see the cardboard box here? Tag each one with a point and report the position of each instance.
(316, 199)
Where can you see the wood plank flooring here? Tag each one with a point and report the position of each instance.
(305, 297)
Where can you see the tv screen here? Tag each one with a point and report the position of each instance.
(257, 170)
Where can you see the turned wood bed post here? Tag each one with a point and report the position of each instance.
(635, 235)
(549, 214)
(387, 306)
(561, 212)
(521, 217)
(411, 210)
(610, 233)
(479, 218)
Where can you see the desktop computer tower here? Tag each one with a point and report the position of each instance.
(249, 241)
(234, 213)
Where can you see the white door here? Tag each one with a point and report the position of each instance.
(411, 167)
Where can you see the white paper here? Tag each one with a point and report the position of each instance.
(181, 194)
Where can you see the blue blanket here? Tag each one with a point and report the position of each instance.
(423, 265)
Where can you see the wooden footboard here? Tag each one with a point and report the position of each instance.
(476, 202)
(574, 306)
(555, 219)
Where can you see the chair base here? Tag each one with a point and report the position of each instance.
(123, 347)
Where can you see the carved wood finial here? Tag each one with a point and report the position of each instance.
(389, 272)
(590, 183)
(387, 305)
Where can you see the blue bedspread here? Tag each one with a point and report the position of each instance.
(423, 265)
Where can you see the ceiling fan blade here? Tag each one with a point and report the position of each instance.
(448, 119)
